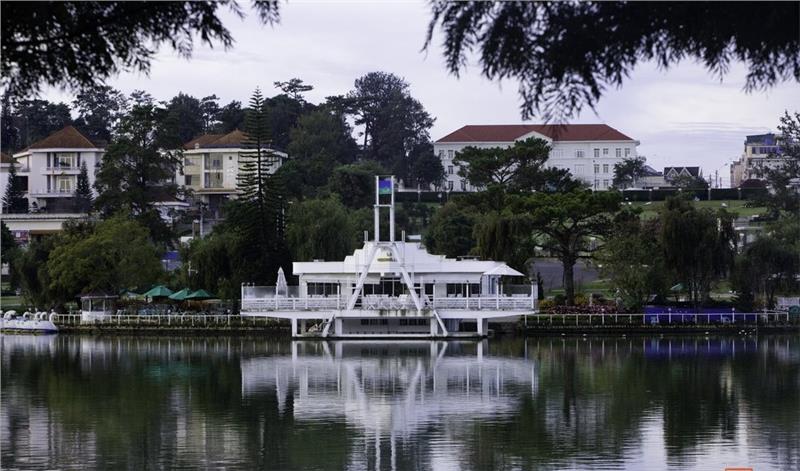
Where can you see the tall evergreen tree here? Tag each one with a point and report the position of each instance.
(258, 214)
(136, 172)
(14, 200)
(83, 191)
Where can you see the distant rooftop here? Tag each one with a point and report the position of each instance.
(66, 138)
(768, 139)
(233, 139)
(556, 132)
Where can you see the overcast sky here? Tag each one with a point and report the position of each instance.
(682, 116)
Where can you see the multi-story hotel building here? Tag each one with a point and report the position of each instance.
(761, 152)
(211, 165)
(49, 169)
(588, 151)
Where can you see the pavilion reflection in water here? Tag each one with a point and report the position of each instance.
(390, 388)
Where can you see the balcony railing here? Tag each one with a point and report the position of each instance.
(63, 169)
(42, 192)
(256, 298)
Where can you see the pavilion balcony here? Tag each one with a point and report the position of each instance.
(264, 298)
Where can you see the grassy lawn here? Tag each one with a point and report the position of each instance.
(649, 210)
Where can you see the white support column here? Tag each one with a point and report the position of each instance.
(391, 214)
(479, 325)
(377, 209)
(338, 325)
(434, 327)
(302, 326)
(294, 327)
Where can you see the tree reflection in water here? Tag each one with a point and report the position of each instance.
(631, 403)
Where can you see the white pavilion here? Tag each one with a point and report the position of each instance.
(393, 288)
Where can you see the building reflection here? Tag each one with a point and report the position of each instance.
(635, 403)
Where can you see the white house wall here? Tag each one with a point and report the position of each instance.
(564, 155)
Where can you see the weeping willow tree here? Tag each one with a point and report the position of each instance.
(505, 237)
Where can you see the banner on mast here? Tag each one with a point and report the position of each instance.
(385, 186)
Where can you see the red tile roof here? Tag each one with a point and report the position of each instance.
(66, 138)
(201, 141)
(556, 132)
(234, 139)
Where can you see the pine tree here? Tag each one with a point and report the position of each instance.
(258, 214)
(14, 200)
(83, 191)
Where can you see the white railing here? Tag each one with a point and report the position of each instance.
(253, 302)
(51, 192)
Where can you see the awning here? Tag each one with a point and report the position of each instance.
(199, 294)
(180, 295)
(502, 270)
(159, 291)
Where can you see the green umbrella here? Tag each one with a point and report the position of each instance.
(159, 291)
(199, 295)
(180, 295)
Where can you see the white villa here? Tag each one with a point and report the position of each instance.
(588, 151)
(393, 288)
(50, 169)
(211, 164)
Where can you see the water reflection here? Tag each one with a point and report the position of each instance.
(547, 403)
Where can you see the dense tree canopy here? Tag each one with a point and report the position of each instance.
(28, 121)
(115, 254)
(320, 142)
(573, 51)
(629, 259)
(450, 231)
(391, 121)
(698, 245)
(627, 172)
(321, 229)
(135, 172)
(78, 45)
(99, 110)
(521, 167)
(564, 224)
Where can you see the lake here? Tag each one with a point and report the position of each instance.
(682, 403)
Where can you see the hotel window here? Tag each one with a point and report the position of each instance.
(579, 153)
(64, 184)
(605, 183)
(463, 185)
(627, 151)
(450, 154)
(188, 180)
(449, 169)
(605, 168)
(597, 153)
(596, 183)
(596, 168)
(605, 150)
(618, 152)
(66, 160)
(450, 185)
(441, 154)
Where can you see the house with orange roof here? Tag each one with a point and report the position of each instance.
(588, 151)
(50, 167)
(211, 165)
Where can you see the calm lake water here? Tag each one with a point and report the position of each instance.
(80, 402)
